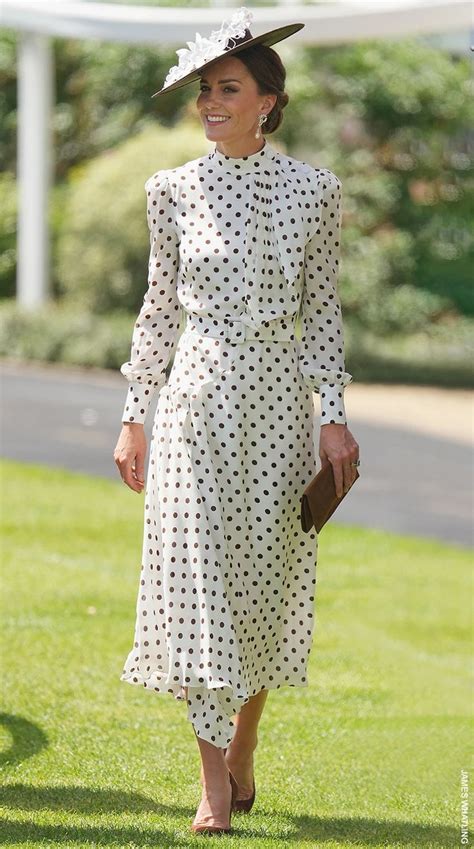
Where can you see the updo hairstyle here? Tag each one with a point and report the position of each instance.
(268, 71)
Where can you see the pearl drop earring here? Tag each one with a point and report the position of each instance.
(261, 120)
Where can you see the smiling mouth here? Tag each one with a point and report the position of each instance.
(218, 119)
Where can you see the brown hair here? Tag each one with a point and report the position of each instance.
(268, 71)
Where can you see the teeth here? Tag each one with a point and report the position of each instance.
(214, 120)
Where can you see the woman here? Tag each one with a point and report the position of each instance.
(243, 240)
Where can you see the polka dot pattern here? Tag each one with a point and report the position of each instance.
(253, 236)
(226, 597)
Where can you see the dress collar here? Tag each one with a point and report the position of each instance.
(242, 164)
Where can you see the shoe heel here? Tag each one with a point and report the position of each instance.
(242, 805)
(245, 805)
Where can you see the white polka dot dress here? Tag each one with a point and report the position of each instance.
(227, 584)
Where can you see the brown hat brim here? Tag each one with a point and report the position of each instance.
(268, 38)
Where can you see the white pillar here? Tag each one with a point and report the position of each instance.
(34, 167)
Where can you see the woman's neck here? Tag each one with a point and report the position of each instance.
(241, 147)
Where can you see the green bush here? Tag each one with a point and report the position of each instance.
(61, 333)
(439, 355)
(103, 249)
(373, 289)
(392, 119)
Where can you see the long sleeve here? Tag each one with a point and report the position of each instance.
(321, 357)
(156, 329)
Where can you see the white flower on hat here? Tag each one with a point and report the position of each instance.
(205, 49)
(239, 22)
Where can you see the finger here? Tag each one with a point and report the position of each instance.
(138, 484)
(354, 470)
(338, 477)
(354, 459)
(127, 476)
(348, 475)
(132, 484)
(140, 468)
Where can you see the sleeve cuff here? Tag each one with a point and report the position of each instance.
(137, 402)
(332, 404)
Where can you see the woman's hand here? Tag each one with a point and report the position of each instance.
(129, 455)
(338, 446)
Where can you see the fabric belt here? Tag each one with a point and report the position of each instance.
(241, 329)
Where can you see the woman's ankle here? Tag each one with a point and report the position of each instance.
(213, 766)
(242, 746)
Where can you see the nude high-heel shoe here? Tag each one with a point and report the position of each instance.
(244, 805)
(217, 829)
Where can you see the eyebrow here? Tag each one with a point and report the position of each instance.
(203, 80)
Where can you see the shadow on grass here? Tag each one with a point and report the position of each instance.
(27, 739)
(296, 829)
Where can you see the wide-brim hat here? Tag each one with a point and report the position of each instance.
(233, 36)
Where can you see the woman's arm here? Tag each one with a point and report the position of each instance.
(322, 353)
(155, 332)
(321, 359)
(157, 325)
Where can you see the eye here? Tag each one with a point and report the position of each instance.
(226, 88)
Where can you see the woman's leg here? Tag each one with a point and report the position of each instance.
(239, 755)
(216, 789)
(215, 801)
(246, 723)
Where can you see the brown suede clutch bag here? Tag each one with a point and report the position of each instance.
(319, 499)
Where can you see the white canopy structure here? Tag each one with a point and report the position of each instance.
(335, 22)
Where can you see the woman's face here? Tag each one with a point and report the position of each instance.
(228, 90)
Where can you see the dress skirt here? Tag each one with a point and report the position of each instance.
(226, 598)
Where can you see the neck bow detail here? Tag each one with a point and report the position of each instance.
(282, 217)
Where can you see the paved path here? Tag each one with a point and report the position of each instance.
(415, 443)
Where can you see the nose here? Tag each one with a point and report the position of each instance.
(208, 96)
(212, 106)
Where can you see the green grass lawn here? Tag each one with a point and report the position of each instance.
(369, 755)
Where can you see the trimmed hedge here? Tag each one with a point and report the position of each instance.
(60, 333)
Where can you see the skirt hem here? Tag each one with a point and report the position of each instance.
(212, 731)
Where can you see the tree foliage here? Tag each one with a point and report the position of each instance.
(392, 119)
